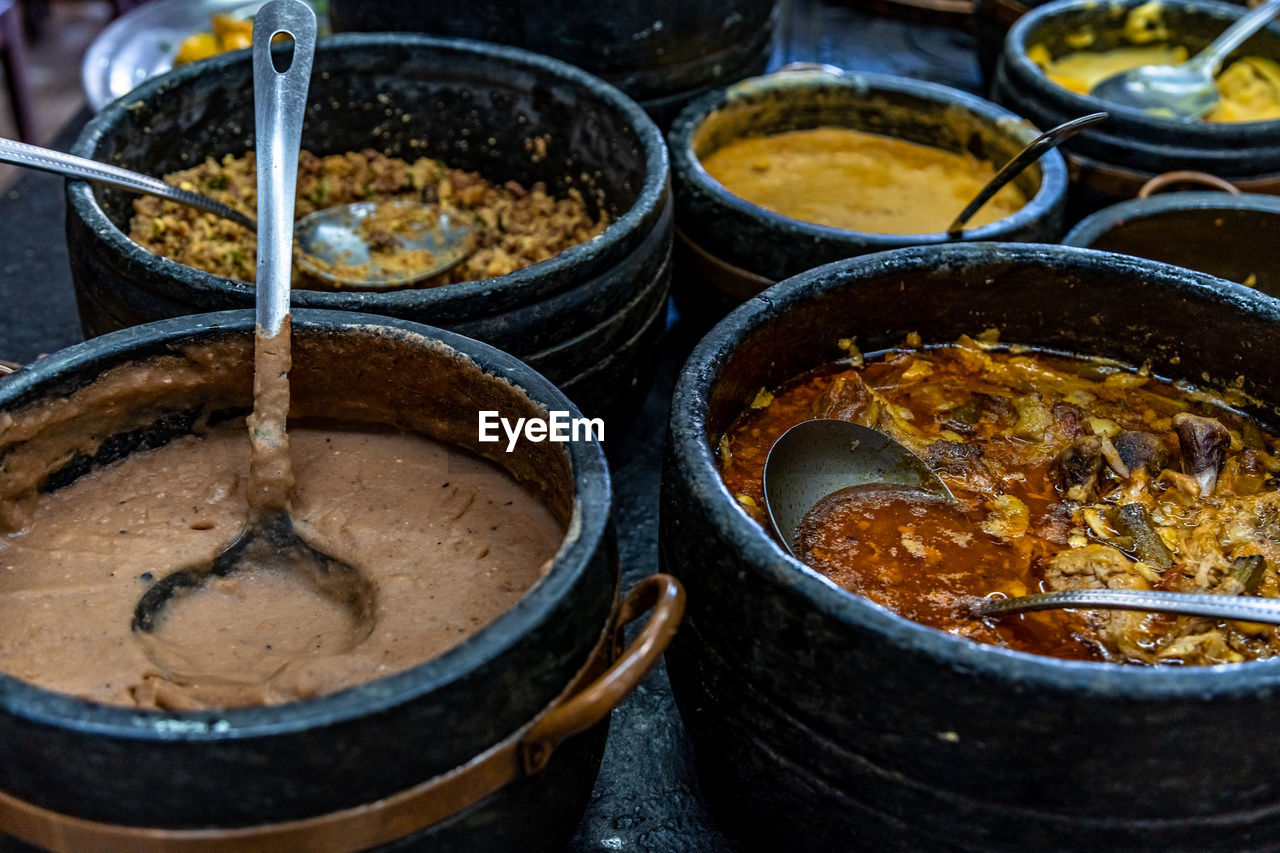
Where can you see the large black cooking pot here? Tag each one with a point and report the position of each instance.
(1230, 236)
(729, 248)
(1111, 161)
(474, 106)
(824, 722)
(663, 53)
(232, 769)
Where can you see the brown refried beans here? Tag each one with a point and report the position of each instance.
(517, 226)
(445, 540)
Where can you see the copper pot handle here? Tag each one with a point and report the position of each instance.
(1186, 176)
(664, 596)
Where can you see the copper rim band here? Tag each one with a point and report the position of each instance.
(1186, 176)
(1121, 183)
(720, 274)
(1007, 12)
(594, 691)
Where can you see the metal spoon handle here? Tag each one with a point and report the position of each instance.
(47, 160)
(1025, 157)
(1245, 608)
(280, 101)
(1234, 36)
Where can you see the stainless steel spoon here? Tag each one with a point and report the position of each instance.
(269, 540)
(1036, 149)
(330, 235)
(1245, 608)
(817, 458)
(1184, 91)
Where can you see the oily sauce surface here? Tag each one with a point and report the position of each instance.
(1006, 431)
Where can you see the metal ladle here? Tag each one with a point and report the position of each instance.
(1034, 150)
(269, 540)
(328, 238)
(1187, 90)
(819, 457)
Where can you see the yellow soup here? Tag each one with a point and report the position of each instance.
(858, 181)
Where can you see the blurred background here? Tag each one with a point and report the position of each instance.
(41, 44)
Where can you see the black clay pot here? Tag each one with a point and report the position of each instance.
(246, 767)
(1232, 237)
(1111, 161)
(471, 105)
(991, 22)
(823, 722)
(661, 53)
(729, 248)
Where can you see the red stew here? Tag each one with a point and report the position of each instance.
(1070, 473)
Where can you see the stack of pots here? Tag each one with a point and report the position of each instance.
(729, 249)
(1112, 161)
(663, 53)
(589, 319)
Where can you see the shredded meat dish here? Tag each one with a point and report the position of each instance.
(517, 226)
(1069, 474)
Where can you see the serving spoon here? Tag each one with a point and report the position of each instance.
(330, 238)
(1187, 90)
(1034, 150)
(269, 540)
(819, 457)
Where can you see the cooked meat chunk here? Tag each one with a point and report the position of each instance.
(1077, 469)
(963, 462)
(1092, 567)
(1141, 450)
(847, 398)
(1204, 448)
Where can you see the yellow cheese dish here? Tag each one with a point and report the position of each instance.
(1249, 88)
(858, 181)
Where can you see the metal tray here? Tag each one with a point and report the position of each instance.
(142, 43)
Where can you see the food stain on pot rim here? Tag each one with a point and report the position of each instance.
(1070, 474)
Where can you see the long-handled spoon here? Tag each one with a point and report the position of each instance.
(1187, 90)
(269, 541)
(1036, 149)
(819, 457)
(333, 247)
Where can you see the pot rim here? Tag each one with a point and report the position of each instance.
(628, 226)
(1087, 231)
(696, 465)
(685, 162)
(1014, 55)
(586, 534)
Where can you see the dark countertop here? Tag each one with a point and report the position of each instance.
(647, 797)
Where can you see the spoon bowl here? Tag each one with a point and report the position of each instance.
(337, 244)
(334, 249)
(822, 456)
(1186, 91)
